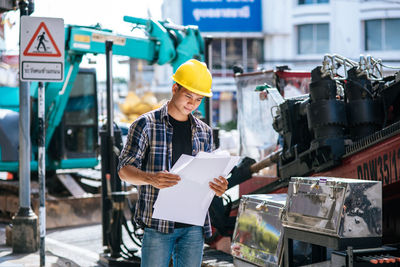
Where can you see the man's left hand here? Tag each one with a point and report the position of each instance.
(219, 185)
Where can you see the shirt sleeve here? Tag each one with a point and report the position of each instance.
(136, 144)
(209, 145)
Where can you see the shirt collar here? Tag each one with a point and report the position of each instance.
(164, 116)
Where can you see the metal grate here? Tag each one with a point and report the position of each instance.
(372, 139)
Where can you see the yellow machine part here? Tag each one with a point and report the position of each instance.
(134, 106)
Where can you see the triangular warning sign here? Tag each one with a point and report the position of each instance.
(42, 44)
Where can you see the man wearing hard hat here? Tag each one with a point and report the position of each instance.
(155, 142)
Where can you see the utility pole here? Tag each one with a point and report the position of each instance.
(25, 222)
(208, 60)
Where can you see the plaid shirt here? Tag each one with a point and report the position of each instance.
(149, 148)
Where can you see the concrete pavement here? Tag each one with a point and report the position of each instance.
(79, 246)
(7, 259)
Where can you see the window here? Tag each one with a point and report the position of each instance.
(313, 38)
(382, 34)
(80, 117)
(217, 60)
(310, 2)
(254, 54)
(234, 52)
(228, 52)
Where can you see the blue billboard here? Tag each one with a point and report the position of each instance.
(223, 15)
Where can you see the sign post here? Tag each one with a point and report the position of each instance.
(24, 229)
(42, 60)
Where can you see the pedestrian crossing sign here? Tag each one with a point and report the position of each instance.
(42, 49)
(42, 44)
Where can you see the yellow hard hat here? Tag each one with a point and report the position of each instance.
(194, 76)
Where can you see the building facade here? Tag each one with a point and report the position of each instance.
(291, 32)
(302, 31)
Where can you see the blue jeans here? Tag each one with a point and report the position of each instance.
(185, 244)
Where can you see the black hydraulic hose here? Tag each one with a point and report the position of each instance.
(126, 252)
(228, 206)
(134, 237)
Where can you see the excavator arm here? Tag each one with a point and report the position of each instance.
(164, 43)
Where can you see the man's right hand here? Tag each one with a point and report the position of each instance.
(164, 179)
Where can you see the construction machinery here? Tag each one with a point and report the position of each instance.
(72, 124)
(347, 126)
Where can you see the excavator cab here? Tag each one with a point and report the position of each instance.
(76, 142)
(76, 138)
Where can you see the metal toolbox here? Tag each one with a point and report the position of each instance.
(336, 207)
(258, 231)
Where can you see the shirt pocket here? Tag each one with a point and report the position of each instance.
(201, 142)
(157, 158)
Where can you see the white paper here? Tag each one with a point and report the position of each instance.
(221, 154)
(181, 163)
(189, 200)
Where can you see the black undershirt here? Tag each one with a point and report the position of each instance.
(181, 144)
(181, 138)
